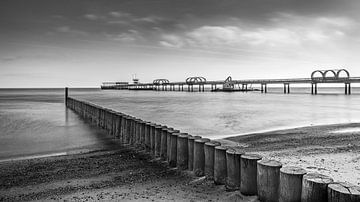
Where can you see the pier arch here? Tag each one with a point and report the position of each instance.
(195, 80)
(160, 81)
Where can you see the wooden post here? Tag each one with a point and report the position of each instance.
(158, 131)
(209, 149)
(199, 156)
(220, 170)
(148, 136)
(314, 187)
(268, 173)
(173, 149)
(170, 131)
(182, 151)
(163, 147)
(66, 95)
(248, 170)
(343, 192)
(152, 139)
(191, 140)
(233, 169)
(290, 184)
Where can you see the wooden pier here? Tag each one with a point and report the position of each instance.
(229, 85)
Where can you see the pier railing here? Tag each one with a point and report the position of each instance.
(251, 174)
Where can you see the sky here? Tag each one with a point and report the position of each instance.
(81, 43)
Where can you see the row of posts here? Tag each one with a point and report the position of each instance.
(249, 173)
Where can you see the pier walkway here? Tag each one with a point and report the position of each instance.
(318, 76)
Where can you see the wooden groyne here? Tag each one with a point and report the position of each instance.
(250, 174)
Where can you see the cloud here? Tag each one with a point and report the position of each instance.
(172, 41)
(127, 37)
(71, 31)
(282, 30)
(119, 14)
(92, 17)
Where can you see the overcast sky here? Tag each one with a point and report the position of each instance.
(78, 43)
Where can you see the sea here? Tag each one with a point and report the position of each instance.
(35, 122)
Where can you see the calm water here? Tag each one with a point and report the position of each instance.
(36, 122)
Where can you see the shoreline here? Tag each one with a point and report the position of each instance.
(120, 173)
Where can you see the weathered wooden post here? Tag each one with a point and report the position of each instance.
(191, 140)
(209, 149)
(170, 131)
(220, 170)
(268, 180)
(248, 170)
(314, 187)
(199, 156)
(233, 169)
(173, 149)
(142, 134)
(152, 139)
(163, 147)
(147, 136)
(66, 95)
(290, 184)
(158, 130)
(343, 192)
(182, 151)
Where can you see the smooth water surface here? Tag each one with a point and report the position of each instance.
(35, 121)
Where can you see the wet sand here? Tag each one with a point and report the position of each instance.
(333, 150)
(120, 173)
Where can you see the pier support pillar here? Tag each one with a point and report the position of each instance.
(268, 173)
(220, 170)
(209, 149)
(286, 88)
(314, 187)
(290, 184)
(199, 156)
(347, 89)
(248, 170)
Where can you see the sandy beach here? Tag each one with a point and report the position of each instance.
(122, 173)
(332, 150)
(117, 174)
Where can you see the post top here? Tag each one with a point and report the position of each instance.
(221, 148)
(202, 140)
(183, 135)
(251, 156)
(175, 134)
(194, 137)
(235, 151)
(213, 143)
(292, 170)
(345, 188)
(270, 163)
(318, 178)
